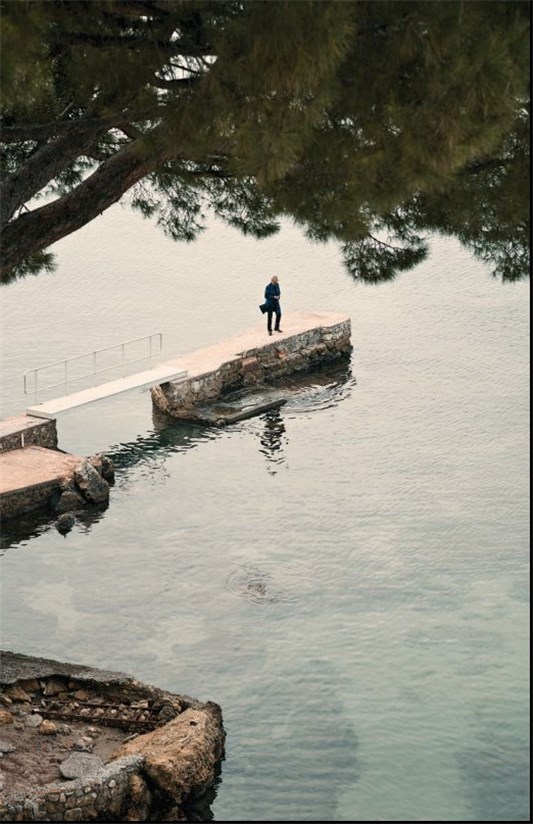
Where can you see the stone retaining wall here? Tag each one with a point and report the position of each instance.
(21, 501)
(26, 430)
(148, 772)
(110, 792)
(265, 363)
(83, 482)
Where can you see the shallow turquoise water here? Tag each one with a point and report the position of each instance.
(347, 577)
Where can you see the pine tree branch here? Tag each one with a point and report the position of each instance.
(382, 243)
(172, 48)
(45, 131)
(34, 231)
(43, 165)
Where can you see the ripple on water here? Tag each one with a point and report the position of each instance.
(270, 584)
(317, 396)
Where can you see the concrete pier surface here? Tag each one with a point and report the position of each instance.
(210, 358)
(33, 466)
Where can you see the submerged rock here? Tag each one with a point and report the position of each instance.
(65, 522)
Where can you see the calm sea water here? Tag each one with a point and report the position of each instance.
(348, 576)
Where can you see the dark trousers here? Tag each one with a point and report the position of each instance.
(271, 312)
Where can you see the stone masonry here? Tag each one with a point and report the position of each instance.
(26, 430)
(166, 750)
(309, 340)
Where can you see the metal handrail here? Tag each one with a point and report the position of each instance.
(95, 371)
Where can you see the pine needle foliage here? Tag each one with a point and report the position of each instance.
(371, 123)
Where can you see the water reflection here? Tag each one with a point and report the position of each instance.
(148, 454)
(168, 435)
(21, 530)
(272, 440)
(309, 392)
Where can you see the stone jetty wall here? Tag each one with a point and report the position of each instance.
(265, 363)
(81, 482)
(21, 501)
(26, 430)
(111, 792)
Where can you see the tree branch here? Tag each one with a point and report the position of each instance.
(43, 165)
(34, 231)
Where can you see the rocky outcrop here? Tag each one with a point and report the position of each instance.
(88, 483)
(92, 486)
(180, 756)
(82, 744)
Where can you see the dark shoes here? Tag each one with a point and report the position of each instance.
(279, 330)
(270, 333)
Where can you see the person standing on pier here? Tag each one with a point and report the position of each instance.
(271, 304)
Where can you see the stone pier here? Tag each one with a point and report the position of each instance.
(34, 473)
(308, 339)
(26, 430)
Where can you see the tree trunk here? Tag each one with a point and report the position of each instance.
(43, 165)
(36, 230)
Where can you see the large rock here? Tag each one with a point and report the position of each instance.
(104, 466)
(180, 757)
(69, 500)
(80, 765)
(92, 485)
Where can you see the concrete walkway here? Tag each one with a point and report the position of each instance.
(205, 360)
(33, 465)
(151, 377)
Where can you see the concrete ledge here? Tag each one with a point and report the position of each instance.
(30, 476)
(27, 430)
(32, 466)
(34, 477)
(139, 380)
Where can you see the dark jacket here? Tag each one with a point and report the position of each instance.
(272, 295)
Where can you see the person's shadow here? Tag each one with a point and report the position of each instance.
(272, 439)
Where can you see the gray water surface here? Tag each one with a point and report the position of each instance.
(346, 576)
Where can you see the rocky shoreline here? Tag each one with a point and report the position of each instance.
(82, 744)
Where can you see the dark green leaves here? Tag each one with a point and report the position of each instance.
(359, 120)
